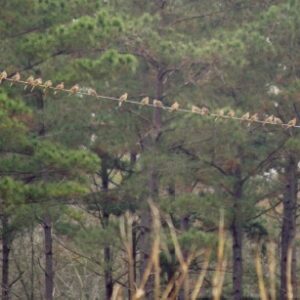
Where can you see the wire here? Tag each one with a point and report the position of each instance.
(199, 111)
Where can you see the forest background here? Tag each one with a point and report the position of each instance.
(107, 201)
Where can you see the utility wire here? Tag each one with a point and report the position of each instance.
(76, 90)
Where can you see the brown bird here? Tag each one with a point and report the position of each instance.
(75, 89)
(157, 103)
(145, 101)
(254, 117)
(60, 86)
(47, 84)
(292, 123)
(36, 82)
(3, 76)
(221, 112)
(246, 116)
(92, 92)
(269, 120)
(174, 106)
(123, 98)
(231, 113)
(196, 109)
(204, 111)
(30, 81)
(277, 121)
(15, 77)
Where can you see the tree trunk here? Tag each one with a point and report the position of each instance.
(288, 229)
(5, 259)
(237, 244)
(49, 273)
(108, 277)
(153, 188)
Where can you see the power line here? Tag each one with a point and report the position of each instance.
(76, 90)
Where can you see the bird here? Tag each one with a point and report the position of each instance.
(3, 76)
(277, 121)
(92, 92)
(123, 98)
(174, 106)
(60, 86)
(269, 120)
(204, 111)
(36, 82)
(246, 116)
(221, 112)
(292, 123)
(47, 84)
(196, 109)
(75, 89)
(157, 103)
(15, 77)
(254, 117)
(145, 101)
(231, 113)
(30, 81)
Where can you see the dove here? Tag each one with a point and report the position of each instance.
(145, 101)
(92, 92)
(269, 119)
(30, 81)
(36, 82)
(75, 89)
(254, 117)
(292, 123)
(157, 103)
(3, 76)
(123, 98)
(231, 113)
(196, 109)
(47, 84)
(277, 121)
(174, 106)
(204, 111)
(246, 116)
(221, 112)
(60, 86)
(15, 77)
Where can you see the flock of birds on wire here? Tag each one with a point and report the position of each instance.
(204, 111)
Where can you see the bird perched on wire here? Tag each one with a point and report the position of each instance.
(157, 103)
(196, 109)
(92, 92)
(145, 101)
(30, 81)
(174, 106)
(123, 98)
(36, 82)
(75, 89)
(47, 84)
(204, 111)
(277, 120)
(269, 120)
(3, 76)
(246, 116)
(231, 113)
(292, 123)
(254, 117)
(15, 77)
(60, 86)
